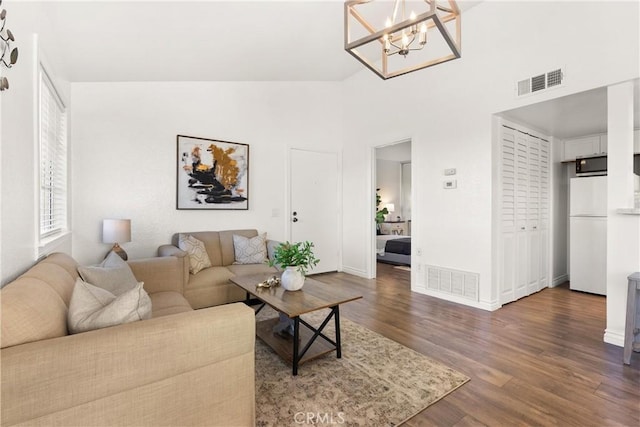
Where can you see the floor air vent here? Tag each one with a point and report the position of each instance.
(540, 82)
(454, 282)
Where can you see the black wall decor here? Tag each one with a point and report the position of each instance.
(7, 37)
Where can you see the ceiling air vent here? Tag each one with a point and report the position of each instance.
(540, 82)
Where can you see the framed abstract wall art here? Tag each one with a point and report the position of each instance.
(212, 174)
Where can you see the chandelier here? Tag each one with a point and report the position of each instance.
(398, 47)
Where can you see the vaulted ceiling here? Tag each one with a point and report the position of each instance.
(257, 40)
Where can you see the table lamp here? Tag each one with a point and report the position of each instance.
(116, 231)
(390, 208)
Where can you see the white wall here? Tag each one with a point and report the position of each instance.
(18, 133)
(406, 193)
(124, 153)
(388, 180)
(623, 231)
(447, 114)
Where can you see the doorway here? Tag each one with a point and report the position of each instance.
(392, 179)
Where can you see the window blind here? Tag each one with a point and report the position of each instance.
(53, 160)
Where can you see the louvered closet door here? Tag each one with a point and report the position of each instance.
(533, 215)
(545, 209)
(524, 209)
(508, 214)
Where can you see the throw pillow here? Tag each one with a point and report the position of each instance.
(112, 274)
(251, 250)
(198, 257)
(92, 307)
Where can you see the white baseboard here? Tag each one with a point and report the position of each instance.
(614, 337)
(488, 306)
(559, 280)
(355, 272)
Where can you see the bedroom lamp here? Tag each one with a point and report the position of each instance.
(398, 46)
(116, 231)
(390, 208)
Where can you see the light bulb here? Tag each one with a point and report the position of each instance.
(405, 40)
(423, 34)
(414, 27)
(388, 23)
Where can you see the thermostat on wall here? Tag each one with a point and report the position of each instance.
(450, 184)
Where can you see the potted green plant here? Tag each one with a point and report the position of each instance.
(380, 213)
(296, 259)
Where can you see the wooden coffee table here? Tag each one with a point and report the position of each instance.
(313, 296)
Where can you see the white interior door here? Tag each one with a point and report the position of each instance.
(314, 212)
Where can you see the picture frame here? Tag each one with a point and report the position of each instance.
(211, 174)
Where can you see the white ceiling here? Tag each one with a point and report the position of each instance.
(397, 152)
(201, 41)
(580, 114)
(258, 40)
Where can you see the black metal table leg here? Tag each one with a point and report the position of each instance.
(338, 342)
(317, 332)
(296, 335)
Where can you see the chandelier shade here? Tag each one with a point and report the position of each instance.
(393, 38)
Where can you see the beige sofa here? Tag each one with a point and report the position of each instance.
(211, 286)
(181, 367)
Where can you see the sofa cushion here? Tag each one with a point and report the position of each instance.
(92, 307)
(250, 250)
(28, 319)
(208, 277)
(57, 276)
(212, 287)
(168, 302)
(113, 274)
(198, 257)
(63, 261)
(250, 269)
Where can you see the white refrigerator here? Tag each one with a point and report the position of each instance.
(588, 234)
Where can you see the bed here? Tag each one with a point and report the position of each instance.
(393, 249)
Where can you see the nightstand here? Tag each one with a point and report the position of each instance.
(394, 227)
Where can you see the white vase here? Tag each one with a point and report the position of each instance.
(292, 279)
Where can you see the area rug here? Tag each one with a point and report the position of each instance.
(403, 267)
(377, 382)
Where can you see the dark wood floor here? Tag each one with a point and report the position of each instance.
(538, 361)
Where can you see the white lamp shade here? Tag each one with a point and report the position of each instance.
(390, 207)
(116, 230)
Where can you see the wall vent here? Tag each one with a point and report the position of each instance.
(540, 82)
(524, 87)
(461, 283)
